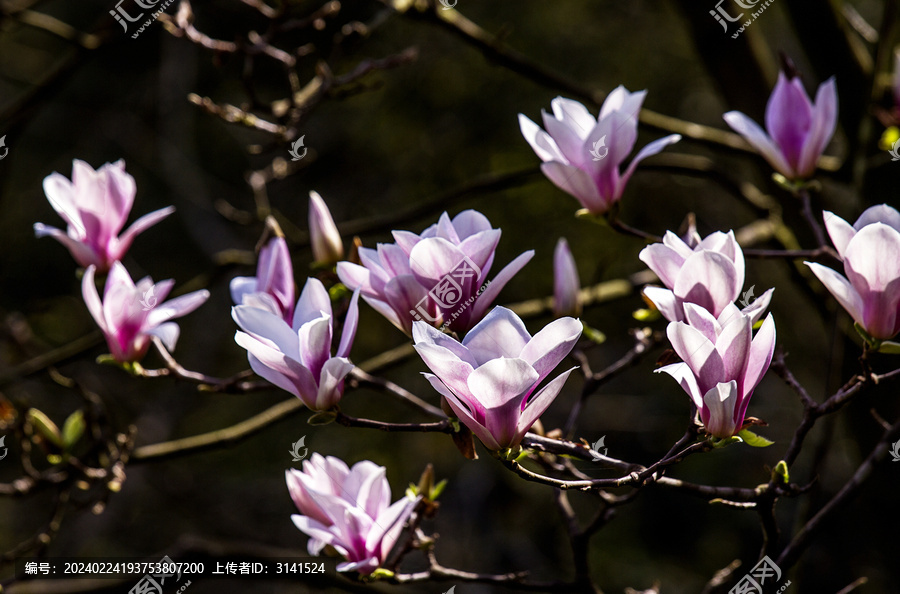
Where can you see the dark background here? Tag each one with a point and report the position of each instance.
(421, 129)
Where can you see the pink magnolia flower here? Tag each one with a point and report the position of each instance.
(130, 314)
(95, 205)
(582, 155)
(326, 242)
(348, 509)
(870, 249)
(722, 363)
(798, 129)
(489, 380)
(707, 272)
(272, 288)
(438, 276)
(297, 357)
(565, 281)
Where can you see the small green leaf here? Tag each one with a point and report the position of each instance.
(322, 418)
(889, 348)
(754, 440)
(873, 342)
(593, 334)
(339, 291)
(381, 573)
(44, 426)
(646, 315)
(782, 470)
(586, 215)
(721, 443)
(73, 429)
(412, 491)
(438, 489)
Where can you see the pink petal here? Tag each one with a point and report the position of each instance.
(500, 334)
(824, 122)
(759, 140)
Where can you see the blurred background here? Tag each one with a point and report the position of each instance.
(409, 115)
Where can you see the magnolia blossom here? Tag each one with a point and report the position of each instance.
(348, 509)
(565, 281)
(582, 155)
(437, 276)
(489, 380)
(297, 357)
(798, 129)
(95, 205)
(707, 272)
(722, 363)
(129, 315)
(326, 242)
(273, 286)
(870, 249)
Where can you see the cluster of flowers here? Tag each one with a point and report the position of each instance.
(493, 379)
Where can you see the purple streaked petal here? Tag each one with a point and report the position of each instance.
(551, 345)
(331, 378)
(469, 222)
(81, 252)
(648, 151)
(718, 409)
(175, 308)
(496, 285)
(168, 333)
(824, 122)
(664, 261)
(577, 183)
(539, 403)
(260, 323)
(699, 353)
(685, 378)
(789, 116)
(313, 303)
(841, 288)
(666, 302)
(708, 279)
(351, 320)
(500, 334)
(880, 213)
(541, 143)
(139, 226)
(759, 140)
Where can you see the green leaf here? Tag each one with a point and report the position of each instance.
(339, 291)
(438, 489)
(754, 440)
(73, 429)
(873, 342)
(381, 573)
(322, 418)
(721, 443)
(593, 334)
(782, 470)
(586, 215)
(646, 315)
(44, 426)
(889, 348)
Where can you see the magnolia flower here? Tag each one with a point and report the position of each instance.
(95, 205)
(798, 129)
(489, 380)
(323, 234)
(722, 363)
(130, 314)
(297, 357)
(582, 155)
(707, 272)
(870, 249)
(565, 281)
(348, 509)
(438, 276)
(273, 286)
